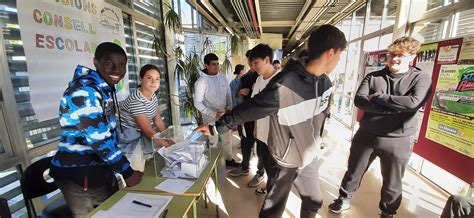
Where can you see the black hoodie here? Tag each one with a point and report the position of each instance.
(390, 101)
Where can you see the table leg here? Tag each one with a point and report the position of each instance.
(194, 209)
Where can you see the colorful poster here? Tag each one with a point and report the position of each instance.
(448, 54)
(451, 119)
(425, 59)
(375, 61)
(467, 51)
(59, 35)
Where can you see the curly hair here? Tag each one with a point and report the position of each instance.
(404, 45)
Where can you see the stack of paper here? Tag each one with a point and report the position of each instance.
(176, 186)
(185, 159)
(148, 206)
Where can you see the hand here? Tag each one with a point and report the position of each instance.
(164, 142)
(219, 115)
(204, 129)
(134, 179)
(244, 92)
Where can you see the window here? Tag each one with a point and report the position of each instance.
(465, 23)
(11, 190)
(357, 23)
(192, 43)
(374, 16)
(431, 30)
(147, 55)
(434, 4)
(151, 8)
(130, 49)
(186, 14)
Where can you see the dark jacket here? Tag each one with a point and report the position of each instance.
(294, 100)
(390, 101)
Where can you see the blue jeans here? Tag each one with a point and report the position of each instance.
(82, 199)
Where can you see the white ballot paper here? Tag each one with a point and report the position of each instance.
(177, 186)
(126, 208)
(185, 159)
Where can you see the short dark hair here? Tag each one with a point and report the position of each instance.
(247, 54)
(261, 51)
(238, 68)
(324, 38)
(276, 62)
(303, 53)
(210, 57)
(146, 68)
(107, 48)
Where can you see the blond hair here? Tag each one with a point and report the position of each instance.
(404, 45)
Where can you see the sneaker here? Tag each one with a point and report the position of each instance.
(232, 163)
(339, 205)
(256, 180)
(261, 191)
(386, 215)
(238, 172)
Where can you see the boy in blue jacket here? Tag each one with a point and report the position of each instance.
(87, 156)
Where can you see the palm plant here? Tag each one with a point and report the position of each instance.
(172, 19)
(187, 67)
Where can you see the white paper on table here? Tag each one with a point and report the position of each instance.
(124, 208)
(177, 186)
(101, 214)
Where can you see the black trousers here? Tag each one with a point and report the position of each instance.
(280, 180)
(394, 153)
(246, 144)
(263, 154)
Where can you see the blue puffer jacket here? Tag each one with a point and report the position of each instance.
(88, 145)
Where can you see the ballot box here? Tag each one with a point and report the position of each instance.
(179, 153)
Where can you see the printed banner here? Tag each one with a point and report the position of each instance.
(59, 35)
(425, 59)
(451, 119)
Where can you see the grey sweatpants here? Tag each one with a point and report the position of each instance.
(280, 180)
(394, 153)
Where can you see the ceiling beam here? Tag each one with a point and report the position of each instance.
(281, 23)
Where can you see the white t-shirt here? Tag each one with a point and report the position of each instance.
(263, 125)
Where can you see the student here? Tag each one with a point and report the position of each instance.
(261, 57)
(390, 99)
(212, 98)
(235, 85)
(277, 65)
(139, 111)
(247, 142)
(294, 100)
(87, 156)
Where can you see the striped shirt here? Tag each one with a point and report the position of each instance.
(135, 105)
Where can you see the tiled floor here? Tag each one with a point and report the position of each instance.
(236, 199)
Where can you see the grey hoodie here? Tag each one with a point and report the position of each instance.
(390, 101)
(294, 99)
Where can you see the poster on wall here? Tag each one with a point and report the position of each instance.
(448, 54)
(59, 35)
(467, 51)
(375, 61)
(425, 60)
(451, 118)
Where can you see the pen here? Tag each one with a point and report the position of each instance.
(164, 213)
(141, 203)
